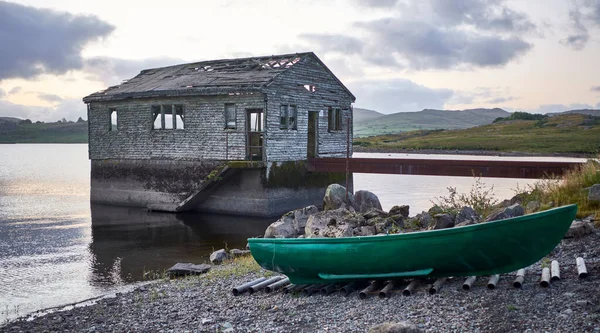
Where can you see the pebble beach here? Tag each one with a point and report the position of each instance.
(205, 303)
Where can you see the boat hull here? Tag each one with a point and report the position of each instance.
(481, 249)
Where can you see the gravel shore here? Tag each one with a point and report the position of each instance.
(206, 304)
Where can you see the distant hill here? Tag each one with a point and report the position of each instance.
(361, 115)
(569, 133)
(427, 119)
(589, 112)
(15, 130)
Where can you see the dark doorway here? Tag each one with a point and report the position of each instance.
(254, 134)
(313, 134)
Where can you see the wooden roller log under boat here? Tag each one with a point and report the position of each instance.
(482, 249)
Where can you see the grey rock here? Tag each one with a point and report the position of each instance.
(467, 213)
(181, 269)
(218, 256)
(366, 230)
(579, 229)
(594, 194)
(504, 213)
(398, 220)
(400, 210)
(235, 253)
(582, 302)
(301, 216)
(400, 327)
(464, 223)
(335, 197)
(374, 212)
(381, 224)
(333, 223)
(282, 228)
(424, 219)
(533, 206)
(515, 210)
(442, 221)
(435, 210)
(365, 200)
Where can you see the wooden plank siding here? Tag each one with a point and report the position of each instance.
(288, 88)
(204, 135)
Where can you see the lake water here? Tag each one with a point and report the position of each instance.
(56, 248)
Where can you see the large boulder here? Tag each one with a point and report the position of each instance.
(533, 206)
(219, 256)
(335, 197)
(594, 194)
(579, 229)
(504, 213)
(365, 200)
(442, 221)
(466, 214)
(333, 223)
(301, 216)
(400, 210)
(282, 228)
(374, 212)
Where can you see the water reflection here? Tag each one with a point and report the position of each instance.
(128, 242)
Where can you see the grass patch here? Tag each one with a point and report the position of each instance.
(569, 133)
(237, 267)
(571, 188)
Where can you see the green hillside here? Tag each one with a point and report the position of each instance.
(425, 120)
(14, 130)
(361, 115)
(563, 133)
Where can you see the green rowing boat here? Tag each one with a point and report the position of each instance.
(482, 249)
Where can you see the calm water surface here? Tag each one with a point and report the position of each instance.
(56, 248)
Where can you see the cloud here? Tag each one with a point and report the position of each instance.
(15, 90)
(397, 95)
(49, 97)
(434, 34)
(420, 45)
(486, 15)
(335, 43)
(584, 15)
(113, 71)
(37, 41)
(595, 88)
(482, 95)
(377, 3)
(70, 109)
(598, 105)
(2, 93)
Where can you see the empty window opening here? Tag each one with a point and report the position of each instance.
(230, 121)
(310, 87)
(168, 117)
(114, 120)
(334, 118)
(288, 115)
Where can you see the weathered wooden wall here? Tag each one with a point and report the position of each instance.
(204, 136)
(288, 88)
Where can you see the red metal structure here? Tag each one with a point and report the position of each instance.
(466, 168)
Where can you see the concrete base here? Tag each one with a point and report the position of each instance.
(249, 191)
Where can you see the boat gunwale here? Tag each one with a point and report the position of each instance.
(412, 235)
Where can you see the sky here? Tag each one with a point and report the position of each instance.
(395, 55)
